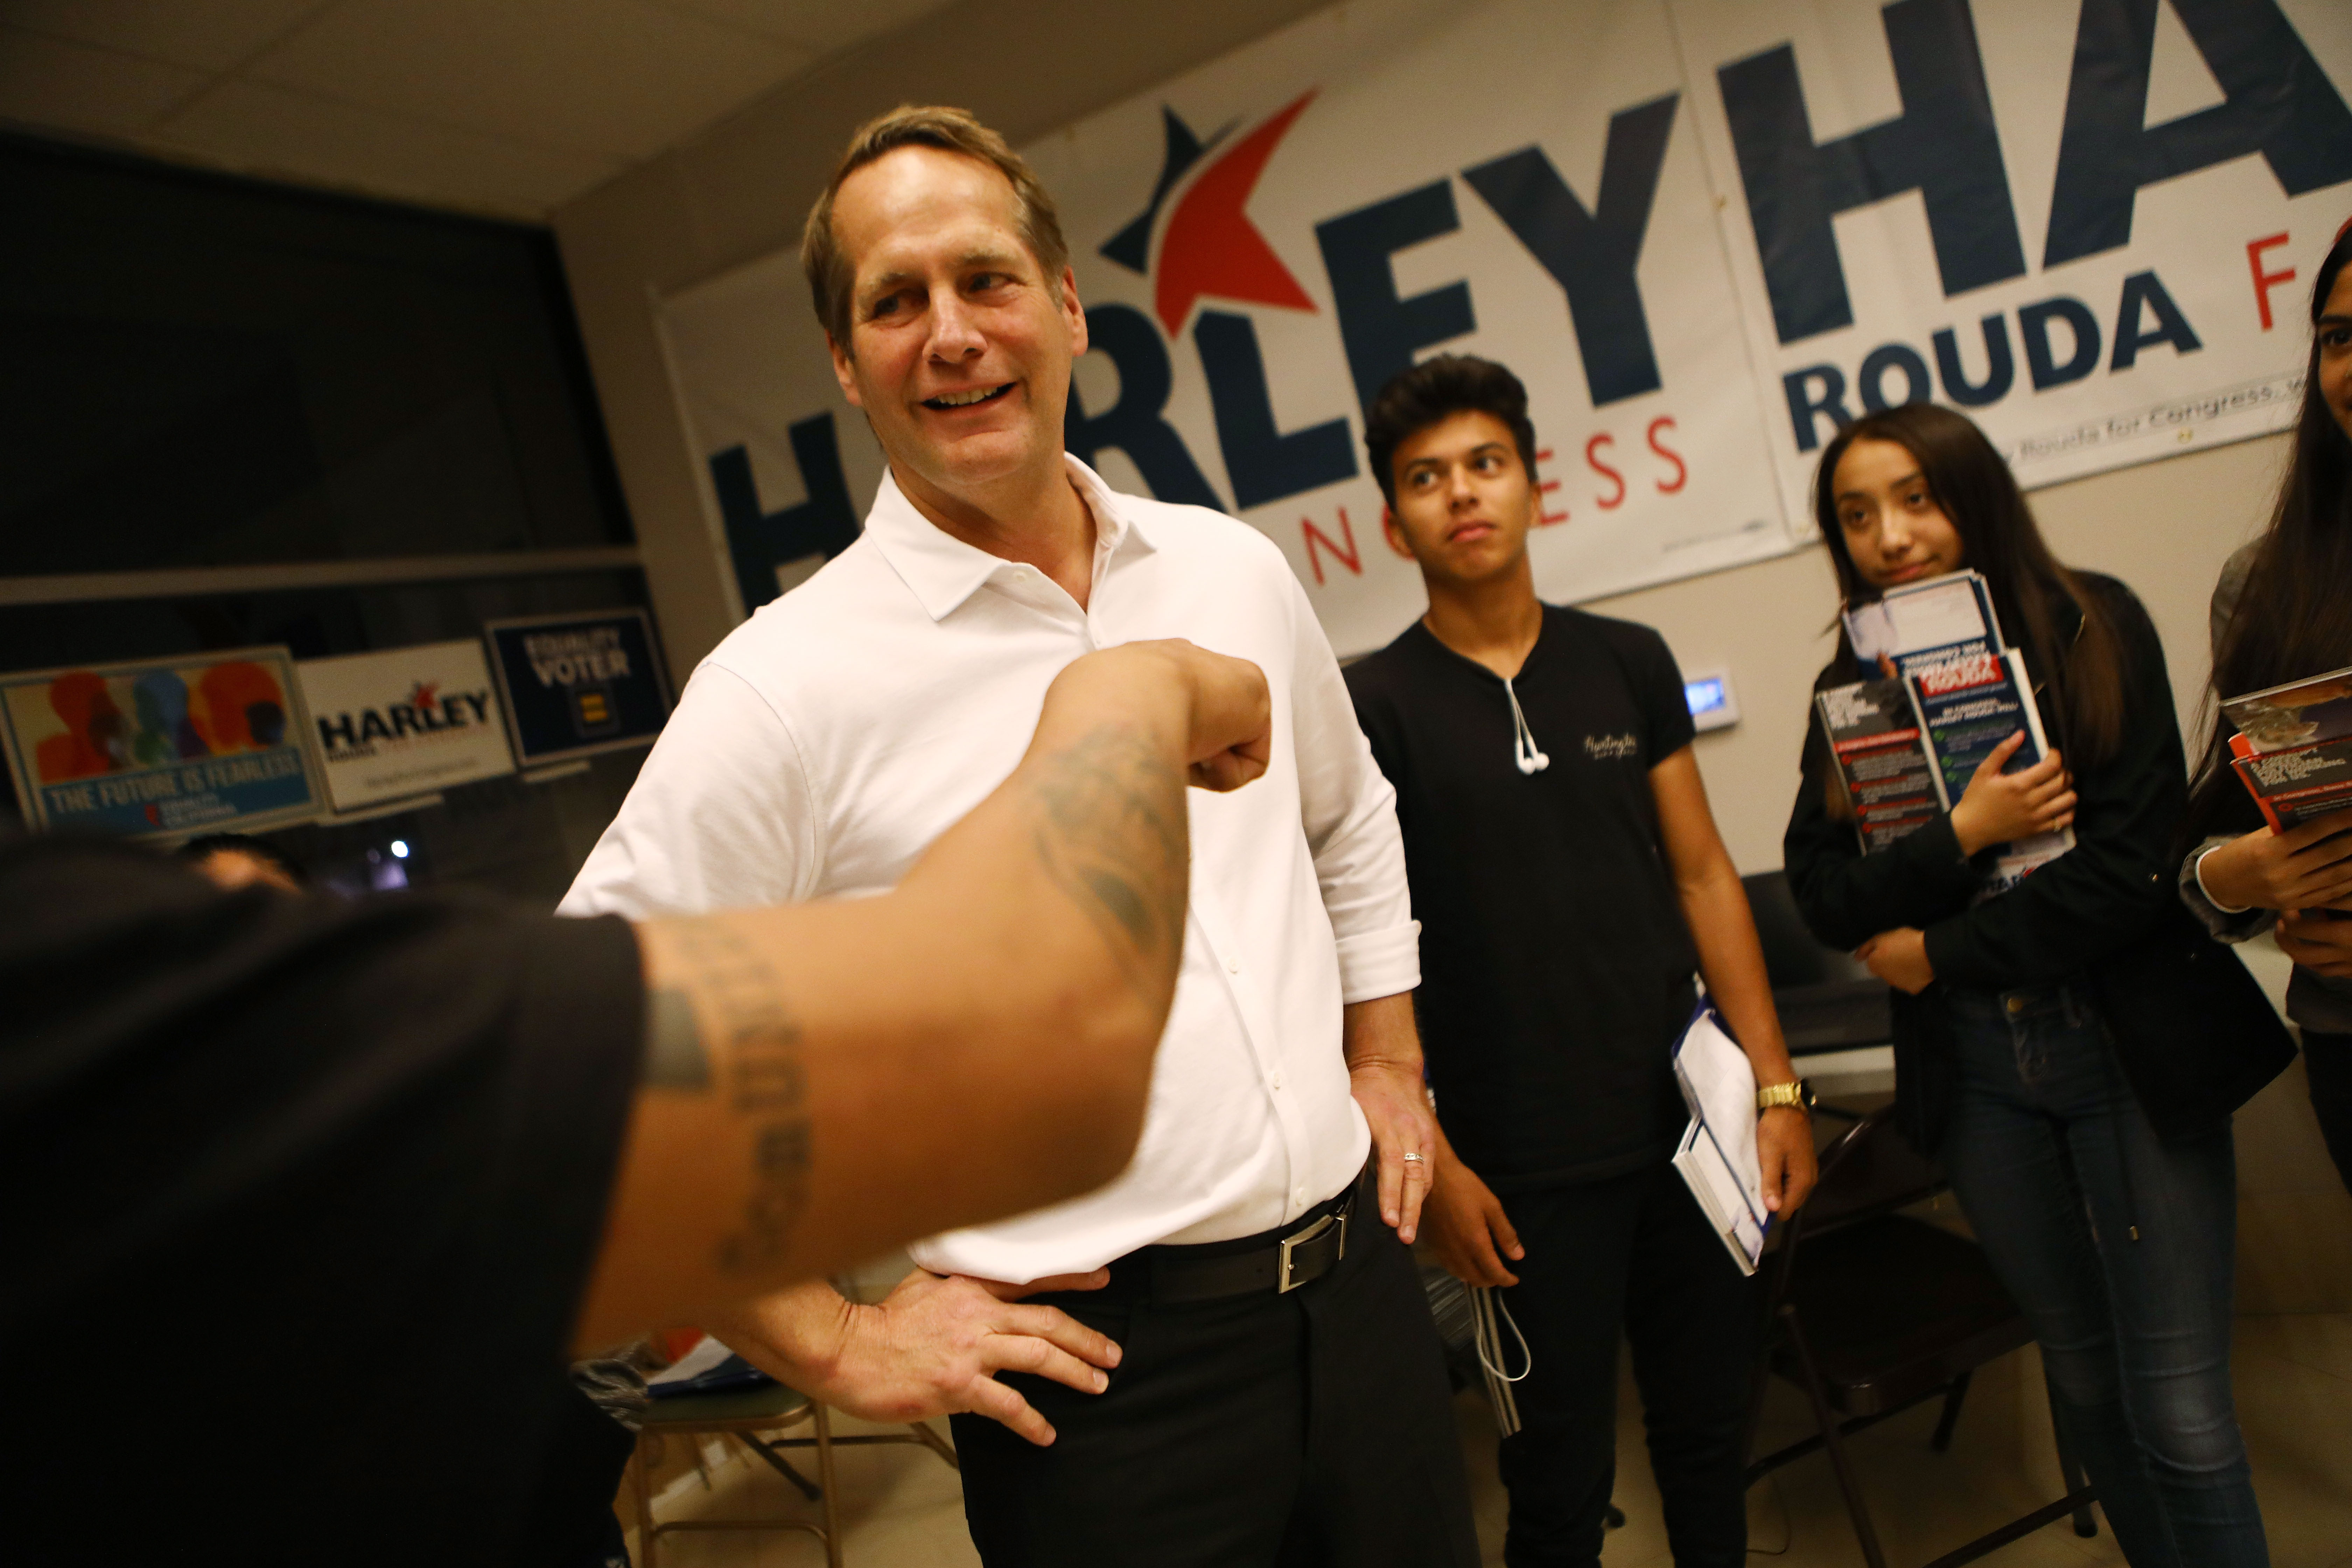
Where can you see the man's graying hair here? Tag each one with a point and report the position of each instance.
(830, 279)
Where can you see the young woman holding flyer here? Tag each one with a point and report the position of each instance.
(2039, 1087)
(2282, 612)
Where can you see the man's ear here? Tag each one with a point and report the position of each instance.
(1074, 311)
(1394, 534)
(843, 370)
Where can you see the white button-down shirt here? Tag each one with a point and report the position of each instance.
(832, 737)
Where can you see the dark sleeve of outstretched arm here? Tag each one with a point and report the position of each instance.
(1847, 897)
(2103, 893)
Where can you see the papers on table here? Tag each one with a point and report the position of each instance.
(1717, 1155)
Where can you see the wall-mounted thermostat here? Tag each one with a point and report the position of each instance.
(1712, 704)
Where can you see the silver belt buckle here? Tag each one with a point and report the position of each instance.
(1284, 1284)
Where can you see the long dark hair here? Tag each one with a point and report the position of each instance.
(1967, 478)
(2294, 617)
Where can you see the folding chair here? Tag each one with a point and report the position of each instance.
(742, 1416)
(1872, 1312)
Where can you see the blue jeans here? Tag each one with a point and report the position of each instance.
(2120, 1248)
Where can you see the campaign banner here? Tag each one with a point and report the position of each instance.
(1261, 244)
(1704, 232)
(577, 685)
(194, 743)
(404, 721)
(2092, 228)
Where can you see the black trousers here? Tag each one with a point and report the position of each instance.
(2327, 1063)
(1633, 1256)
(1307, 1430)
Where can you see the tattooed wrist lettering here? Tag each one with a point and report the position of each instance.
(737, 995)
(1113, 837)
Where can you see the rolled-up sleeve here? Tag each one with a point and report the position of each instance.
(1348, 811)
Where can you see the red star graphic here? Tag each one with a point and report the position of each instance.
(422, 698)
(1212, 248)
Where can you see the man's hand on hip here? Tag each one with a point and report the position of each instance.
(933, 1347)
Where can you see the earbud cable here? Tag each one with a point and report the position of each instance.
(1525, 753)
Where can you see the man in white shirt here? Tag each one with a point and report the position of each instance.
(1278, 1393)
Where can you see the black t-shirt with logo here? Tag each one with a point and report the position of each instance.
(1556, 968)
(301, 1195)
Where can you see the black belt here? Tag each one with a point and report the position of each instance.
(1277, 1262)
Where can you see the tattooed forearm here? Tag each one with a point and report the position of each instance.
(1112, 835)
(674, 1055)
(733, 990)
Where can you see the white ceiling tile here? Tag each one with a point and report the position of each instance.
(266, 130)
(622, 77)
(211, 34)
(48, 81)
(823, 26)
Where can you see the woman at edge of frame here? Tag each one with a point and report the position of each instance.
(2117, 1243)
(2282, 612)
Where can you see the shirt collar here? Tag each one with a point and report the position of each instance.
(943, 571)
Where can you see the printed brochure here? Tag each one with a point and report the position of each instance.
(2294, 747)
(1950, 693)
(1882, 757)
(1718, 1155)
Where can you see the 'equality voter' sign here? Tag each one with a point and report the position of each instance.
(197, 743)
(405, 721)
(1704, 232)
(577, 685)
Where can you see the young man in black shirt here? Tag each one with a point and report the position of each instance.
(1569, 880)
(320, 1193)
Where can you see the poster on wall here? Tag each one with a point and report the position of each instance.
(1704, 232)
(1263, 243)
(577, 685)
(209, 742)
(404, 721)
(2092, 228)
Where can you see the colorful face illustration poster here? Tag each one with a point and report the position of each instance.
(196, 743)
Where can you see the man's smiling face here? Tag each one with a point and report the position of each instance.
(960, 346)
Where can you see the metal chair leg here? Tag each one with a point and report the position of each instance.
(782, 1466)
(1826, 1419)
(830, 1502)
(641, 1464)
(2069, 1468)
(935, 1443)
(1942, 1441)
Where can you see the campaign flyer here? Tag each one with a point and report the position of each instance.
(1881, 759)
(573, 686)
(2293, 746)
(1969, 705)
(171, 747)
(403, 723)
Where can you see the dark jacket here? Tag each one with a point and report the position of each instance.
(2112, 890)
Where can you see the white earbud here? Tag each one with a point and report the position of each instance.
(1524, 750)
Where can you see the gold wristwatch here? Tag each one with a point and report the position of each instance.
(1796, 1092)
